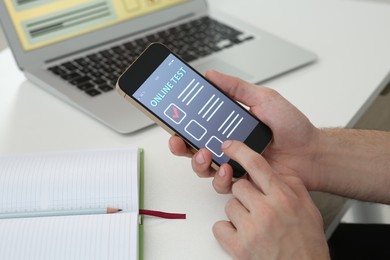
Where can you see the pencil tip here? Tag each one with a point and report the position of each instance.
(113, 210)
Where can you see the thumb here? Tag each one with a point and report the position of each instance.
(236, 88)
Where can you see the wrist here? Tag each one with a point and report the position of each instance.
(345, 157)
(324, 154)
(311, 173)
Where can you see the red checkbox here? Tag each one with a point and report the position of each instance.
(175, 113)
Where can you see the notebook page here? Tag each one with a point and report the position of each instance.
(97, 237)
(70, 180)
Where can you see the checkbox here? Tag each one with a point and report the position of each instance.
(175, 113)
(196, 130)
(215, 146)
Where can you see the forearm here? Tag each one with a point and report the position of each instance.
(355, 163)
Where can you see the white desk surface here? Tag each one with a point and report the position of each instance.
(352, 42)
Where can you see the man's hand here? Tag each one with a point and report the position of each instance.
(295, 139)
(271, 216)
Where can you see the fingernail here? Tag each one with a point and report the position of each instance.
(221, 172)
(170, 148)
(199, 158)
(226, 144)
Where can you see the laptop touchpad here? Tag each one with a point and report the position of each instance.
(223, 67)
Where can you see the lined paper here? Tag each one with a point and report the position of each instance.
(70, 180)
(66, 181)
(97, 237)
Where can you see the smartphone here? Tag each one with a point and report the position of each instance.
(183, 102)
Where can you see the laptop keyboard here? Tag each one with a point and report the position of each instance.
(97, 73)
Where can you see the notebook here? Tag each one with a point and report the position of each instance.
(74, 180)
(77, 49)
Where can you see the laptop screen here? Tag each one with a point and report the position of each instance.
(39, 23)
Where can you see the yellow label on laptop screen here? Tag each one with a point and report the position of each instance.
(42, 22)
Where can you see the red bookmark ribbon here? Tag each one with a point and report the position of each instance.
(161, 214)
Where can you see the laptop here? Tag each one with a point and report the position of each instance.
(77, 49)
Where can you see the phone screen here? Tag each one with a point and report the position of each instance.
(195, 109)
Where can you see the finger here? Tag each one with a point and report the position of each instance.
(236, 212)
(246, 193)
(179, 147)
(201, 163)
(256, 166)
(222, 181)
(226, 235)
(235, 87)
